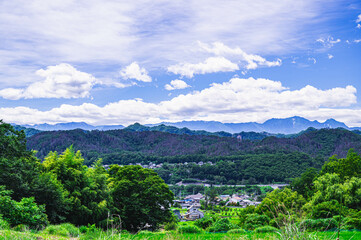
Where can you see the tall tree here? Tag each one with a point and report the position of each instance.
(140, 196)
(88, 195)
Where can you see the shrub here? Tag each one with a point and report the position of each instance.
(170, 226)
(83, 229)
(266, 229)
(204, 222)
(222, 225)
(65, 230)
(25, 212)
(237, 230)
(255, 220)
(56, 230)
(319, 224)
(189, 229)
(4, 224)
(353, 221)
(145, 232)
(21, 228)
(73, 231)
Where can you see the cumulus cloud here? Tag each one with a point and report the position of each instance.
(134, 71)
(328, 42)
(210, 65)
(238, 100)
(251, 61)
(358, 18)
(330, 56)
(357, 41)
(60, 81)
(176, 84)
(221, 61)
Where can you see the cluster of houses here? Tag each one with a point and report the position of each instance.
(153, 165)
(193, 206)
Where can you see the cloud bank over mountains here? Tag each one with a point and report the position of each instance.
(247, 99)
(96, 61)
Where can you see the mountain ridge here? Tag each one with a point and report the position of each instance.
(290, 125)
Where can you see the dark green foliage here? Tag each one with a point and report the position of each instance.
(252, 221)
(88, 195)
(28, 131)
(281, 202)
(25, 212)
(237, 231)
(321, 224)
(353, 220)
(269, 160)
(65, 230)
(23, 174)
(344, 167)
(115, 145)
(12, 142)
(325, 209)
(3, 224)
(222, 225)
(266, 229)
(304, 184)
(170, 226)
(136, 127)
(204, 222)
(141, 197)
(189, 229)
(70, 191)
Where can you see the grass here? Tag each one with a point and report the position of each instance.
(221, 236)
(14, 235)
(171, 235)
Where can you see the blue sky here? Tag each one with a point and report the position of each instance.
(120, 62)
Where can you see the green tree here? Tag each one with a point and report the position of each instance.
(281, 202)
(26, 211)
(23, 174)
(345, 167)
(88, 195)
(141, 197)
(304, 184)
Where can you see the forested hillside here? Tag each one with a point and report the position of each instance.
(212, 158)
(94, 144)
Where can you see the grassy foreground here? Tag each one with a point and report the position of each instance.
(14, 235)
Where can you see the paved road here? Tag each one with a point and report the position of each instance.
(274, 186)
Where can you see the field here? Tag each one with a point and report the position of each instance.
(13, 235)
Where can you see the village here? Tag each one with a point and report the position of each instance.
(194, 203)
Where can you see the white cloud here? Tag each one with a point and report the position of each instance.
(115, 33)
(358, 26)
(210, 65)
(328, 42)
(252, 61)
(238, 100)
(221, 62)
(176, 84)
(358, 18)
(60, 81)
(312, 59)
(330, 56)
(357, 41)
(134, 71)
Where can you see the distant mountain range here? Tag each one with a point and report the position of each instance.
(274, 126)
(72, 126)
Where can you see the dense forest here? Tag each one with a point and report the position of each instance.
(221, 160)
(62, 189)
